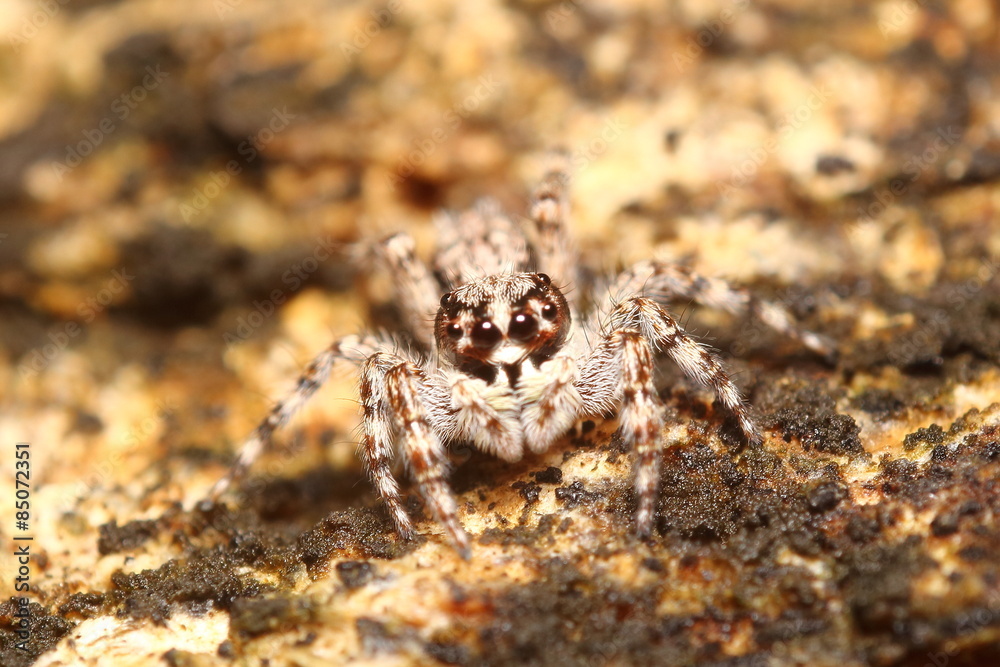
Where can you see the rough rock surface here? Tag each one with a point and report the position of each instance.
(169, 170)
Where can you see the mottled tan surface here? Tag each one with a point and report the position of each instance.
(844, 160)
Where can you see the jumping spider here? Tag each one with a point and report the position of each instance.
(510, 364)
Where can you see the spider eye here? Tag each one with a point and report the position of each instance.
(485, 335)
(544, 277)
(445, 299)
(454, 331)
(522, 327)
(549, 311)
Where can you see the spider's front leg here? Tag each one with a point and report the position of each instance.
(620, 369)
(399, 398)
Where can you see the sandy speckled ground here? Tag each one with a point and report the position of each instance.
(185, 188)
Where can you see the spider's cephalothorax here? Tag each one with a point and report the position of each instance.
(511, 365)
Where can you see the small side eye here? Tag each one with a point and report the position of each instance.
(485, 335)
(522, 327)
(454, 331)
(549, 311)
(445, 299)
(544, 277)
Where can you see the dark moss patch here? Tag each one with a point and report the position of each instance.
(198, 583)
(527, 490)
(84, 605)
(567, 617)
(944, 524)
(449, 654)
(365, 533)
(876, 582)
(254, 617)
(45, 632)
(825, 496)
(864, 525)
(551, 475)
(700, 494)
(807, 411)
(219, 544)
(576, 494)
(932, 435)
(355, 574)
(954, 318)
(520, 535)
(114, 538)
(880, 403)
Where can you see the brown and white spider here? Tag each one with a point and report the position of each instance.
(510, 365)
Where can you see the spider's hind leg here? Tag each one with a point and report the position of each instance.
(548, 228)
(665, 282)
(417, 292)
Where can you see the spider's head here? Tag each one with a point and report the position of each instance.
(502, 320)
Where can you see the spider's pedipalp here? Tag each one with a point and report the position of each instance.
(550, 401)
(487, 415)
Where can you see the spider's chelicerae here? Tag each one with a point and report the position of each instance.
(510, 364)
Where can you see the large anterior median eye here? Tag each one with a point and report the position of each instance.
(454, 331)
(485, 335)
(523, 327)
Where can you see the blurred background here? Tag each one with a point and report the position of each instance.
(182, 184)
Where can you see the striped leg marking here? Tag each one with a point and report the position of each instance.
(393, 404)
(351, 349)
